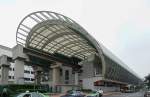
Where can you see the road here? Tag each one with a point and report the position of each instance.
(137, 94)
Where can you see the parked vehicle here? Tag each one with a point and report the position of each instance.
(147, 94)
(93, 94)
(127, 89)
(98, 93)
(73, 93)
(31, 94)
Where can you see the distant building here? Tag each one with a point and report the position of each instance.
(28, 70)
(62, 54)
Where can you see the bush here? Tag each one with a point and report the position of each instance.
(15, 89)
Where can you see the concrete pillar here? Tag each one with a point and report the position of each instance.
(19, 56)
(50, 72)
(76, 78)
(5, 65)
(56, 73)
(5, 74)
(19, 71)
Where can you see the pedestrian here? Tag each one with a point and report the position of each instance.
(5, 93)
(100, 92)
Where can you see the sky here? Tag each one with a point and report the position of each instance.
(122, 26)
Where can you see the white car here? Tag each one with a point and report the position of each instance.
(97, 93)
(31, 94)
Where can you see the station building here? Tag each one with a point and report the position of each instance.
(62, 54)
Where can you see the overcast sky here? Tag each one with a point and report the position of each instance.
(123, 26)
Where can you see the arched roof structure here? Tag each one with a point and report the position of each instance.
(55, 33)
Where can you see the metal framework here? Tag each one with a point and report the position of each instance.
(49, 31)
(55, 33)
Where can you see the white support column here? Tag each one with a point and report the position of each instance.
(50, 77)
(56, 73)
(76, 78)
(19, 71)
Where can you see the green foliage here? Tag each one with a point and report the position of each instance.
(15, 89)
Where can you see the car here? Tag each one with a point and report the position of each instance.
(147, 94)
(31, 94)
(96, 93)
(93, 94)
(73, 93)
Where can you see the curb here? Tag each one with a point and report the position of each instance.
(112, 93)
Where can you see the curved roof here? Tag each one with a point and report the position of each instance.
(54, 33)
(117, 60)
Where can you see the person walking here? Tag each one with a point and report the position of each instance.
(5, 93)
(100, 91)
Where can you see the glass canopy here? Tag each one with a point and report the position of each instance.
(54, 33)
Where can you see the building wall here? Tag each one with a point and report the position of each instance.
(88, 83)
(11, 72)
(88, 68)
(71, 76)
(89, 76)
(28, 75)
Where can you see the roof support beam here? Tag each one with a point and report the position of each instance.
(56, 37)
(82, 51)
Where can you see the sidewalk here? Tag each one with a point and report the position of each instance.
(111, 93)
(57, 95)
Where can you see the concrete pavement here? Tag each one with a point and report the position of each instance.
(137, 94)
(113, 94)
(105, 94)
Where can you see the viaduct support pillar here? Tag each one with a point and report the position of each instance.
(56, 73)
(76, 78)
(19, 71)
(5, 65)
(19, 57)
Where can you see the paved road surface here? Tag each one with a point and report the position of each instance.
(137, 94)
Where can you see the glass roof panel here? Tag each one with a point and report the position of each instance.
(59, 39)
(76, 47)
(46, 32)
(51, 35)
(32, 45)
(40, 29)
